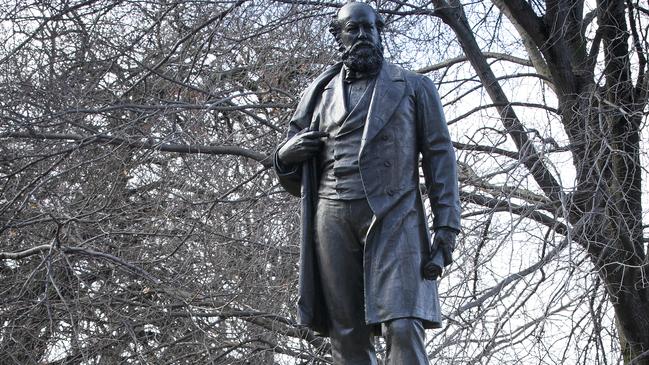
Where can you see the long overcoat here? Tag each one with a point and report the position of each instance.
(405, 122)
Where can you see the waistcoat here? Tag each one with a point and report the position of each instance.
(340, 176)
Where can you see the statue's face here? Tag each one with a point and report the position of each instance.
(359, 38)
(358, 26)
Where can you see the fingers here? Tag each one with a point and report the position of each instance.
(309, 145)
(445, 239)
(448, 255)
(301, 146)
(314, 134)
(431, 271)
(435, 245)
(311, 141)
(446, 243)
(312, 138)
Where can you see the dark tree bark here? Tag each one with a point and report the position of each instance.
(603, 124)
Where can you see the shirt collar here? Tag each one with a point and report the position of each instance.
(351, 75)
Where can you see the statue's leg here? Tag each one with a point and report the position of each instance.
(404, 339)
(339, 246)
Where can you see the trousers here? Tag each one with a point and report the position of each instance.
(341, 228)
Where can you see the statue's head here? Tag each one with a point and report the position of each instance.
(357, 28)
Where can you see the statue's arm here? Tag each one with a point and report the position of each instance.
(289, 175)
(438, 158)
(307, 139)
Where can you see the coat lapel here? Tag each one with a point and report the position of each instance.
(335, 108)
(388, 91)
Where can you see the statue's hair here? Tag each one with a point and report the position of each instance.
(335, 26)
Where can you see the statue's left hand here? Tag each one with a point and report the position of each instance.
(301, 147)
(444, 240)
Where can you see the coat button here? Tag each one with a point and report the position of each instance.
(385, 137)
(390, 191)
(387, 164)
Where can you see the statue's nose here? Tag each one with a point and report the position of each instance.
(362, 34)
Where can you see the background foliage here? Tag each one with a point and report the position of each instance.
(141, 223)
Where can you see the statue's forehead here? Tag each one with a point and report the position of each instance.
(357, 12)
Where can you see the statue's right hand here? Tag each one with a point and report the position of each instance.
(301, 147)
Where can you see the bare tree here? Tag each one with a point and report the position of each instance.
(140, 221)
(597, 73)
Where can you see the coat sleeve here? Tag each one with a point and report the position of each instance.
(438, 158)
(290, 176)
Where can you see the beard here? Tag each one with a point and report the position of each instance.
(364, 57)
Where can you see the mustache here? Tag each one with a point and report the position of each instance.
(363, 57)
(361, 44)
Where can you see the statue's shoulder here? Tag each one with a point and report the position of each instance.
(328, 73)
(317, 85)
(398, 72)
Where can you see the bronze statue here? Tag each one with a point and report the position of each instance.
(352, 153)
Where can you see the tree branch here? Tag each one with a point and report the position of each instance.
(25, 253)
(456, 60)
(530, 212)
(486, 149)
(495, 290)
(455, 18)
(505, 104)
(522, 15)
(163, 147)
(217, 17)
(515, 13)
(78, 251)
